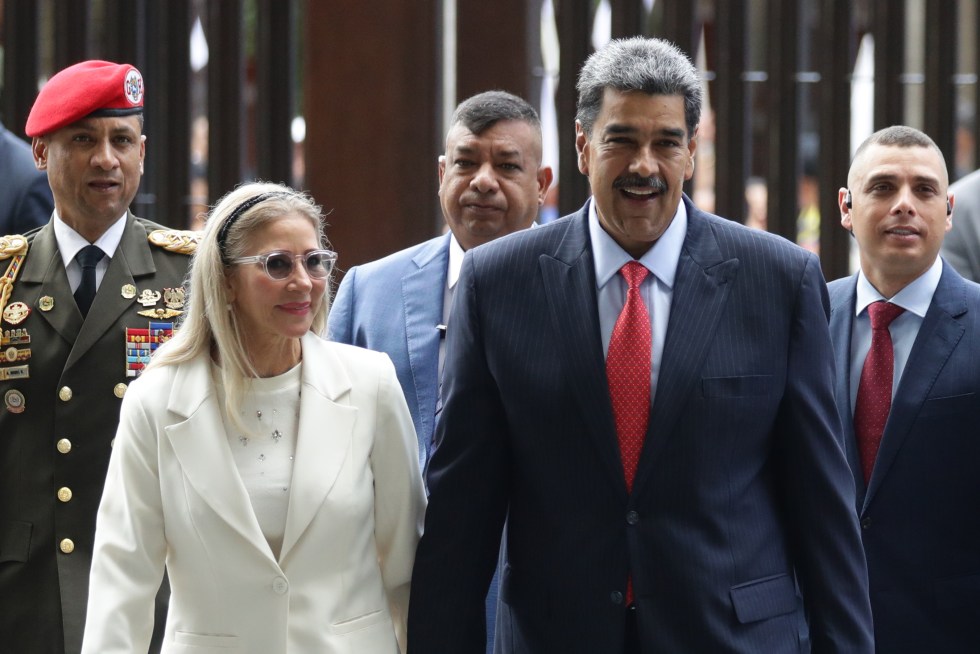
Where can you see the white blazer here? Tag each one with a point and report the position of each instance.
(173, 496)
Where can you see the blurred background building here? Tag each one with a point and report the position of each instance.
(349, 99)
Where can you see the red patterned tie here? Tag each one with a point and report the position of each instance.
(628, 371)
(874, 397)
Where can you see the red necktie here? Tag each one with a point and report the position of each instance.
(874, 397)
(628, 371)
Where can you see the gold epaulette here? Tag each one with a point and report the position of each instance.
(12, 245)
(15, 248)
(175, 240)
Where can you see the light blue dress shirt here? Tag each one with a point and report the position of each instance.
(915, 299)
(657, 289)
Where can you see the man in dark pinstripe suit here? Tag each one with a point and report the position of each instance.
(733, 530)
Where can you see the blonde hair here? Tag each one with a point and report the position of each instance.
(208, 325)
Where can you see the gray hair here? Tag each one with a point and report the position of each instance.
(653, 66)
(482, 111)
(209, 325)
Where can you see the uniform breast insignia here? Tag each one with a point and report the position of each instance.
(46, 303)
(173, 298)
(14, 354)
(128, 292)
(175, 240)
(15, 313)
(14, 401)
(149, 297)
(14, 372)
(14, 337)
(141, 343)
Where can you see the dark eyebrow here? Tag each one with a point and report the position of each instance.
(617, 128)
(886, 177)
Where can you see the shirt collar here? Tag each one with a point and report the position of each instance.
(661, 259)
(70, 241)
(455, 261)
(914, 298)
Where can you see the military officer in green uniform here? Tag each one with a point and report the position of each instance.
(83, 302)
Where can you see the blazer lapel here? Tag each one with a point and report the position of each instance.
(569, 284)
(201, 448)
(326, 430)
(842, 305)
(422, 295)
(938, 336)
(700, 293)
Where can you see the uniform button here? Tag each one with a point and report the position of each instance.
(67, 545)
(616, 597)
(112, 443)
(64, 494)
(865, 523)
(64, 394)
(64, 446)
(280, 586)
(119, 390)
(632, 517)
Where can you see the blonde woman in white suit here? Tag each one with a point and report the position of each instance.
(274, 474)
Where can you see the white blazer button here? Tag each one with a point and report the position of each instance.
(280, 586)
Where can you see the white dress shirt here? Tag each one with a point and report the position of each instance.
(70, 242)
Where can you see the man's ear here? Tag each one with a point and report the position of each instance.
(545, 177)
(844, 202)
(442, 168)
(582, 147)
(40, 150)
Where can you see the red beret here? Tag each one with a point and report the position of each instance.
(91, 88)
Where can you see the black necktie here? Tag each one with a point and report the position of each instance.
(88, 257)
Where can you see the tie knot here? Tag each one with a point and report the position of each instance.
(883, 313)
(89, 256)
(634, 273)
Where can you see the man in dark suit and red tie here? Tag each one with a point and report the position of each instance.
(643, 393)
(906, 329)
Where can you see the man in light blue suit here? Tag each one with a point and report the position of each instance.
(918, 471)
(682, 489)
(491, 183)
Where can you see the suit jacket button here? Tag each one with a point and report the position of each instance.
(865, 522)
(67, 545)
(64, 494)
(64, 446)
(616, 597)
(632, 518)
(279, 586)
(65, 394)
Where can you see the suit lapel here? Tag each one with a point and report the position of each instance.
(701, 289)
(422, 295)
(569, 284)
(201, 448)
(326, 429)
(938, 336)
(842, 305)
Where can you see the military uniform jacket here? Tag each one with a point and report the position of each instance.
(62, 379)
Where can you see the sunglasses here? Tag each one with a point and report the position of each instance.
(278, 264)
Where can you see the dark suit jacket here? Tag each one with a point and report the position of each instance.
(920, 513)
(25, 197)
(43, 590)
(740, 521)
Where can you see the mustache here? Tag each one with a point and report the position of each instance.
(656, 183)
